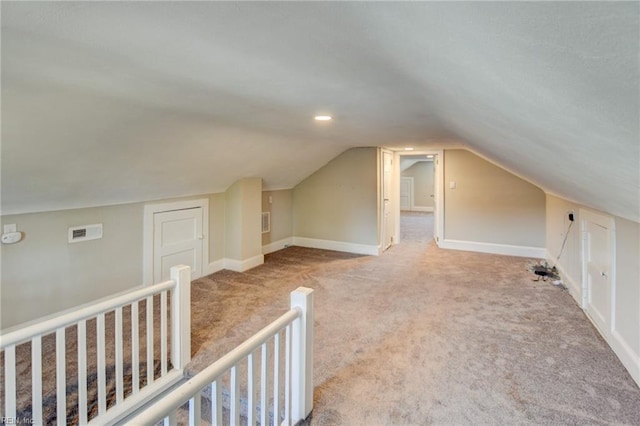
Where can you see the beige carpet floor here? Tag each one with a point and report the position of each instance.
(421, 335)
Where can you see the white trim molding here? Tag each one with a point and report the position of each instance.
(575, 290)
(421, 209)
(216, 266)
(234, 264)
(277, 245)
(629, 358)
(243, 265)
(504, 249)
(625, 352)
(370, 250)
(607, 222)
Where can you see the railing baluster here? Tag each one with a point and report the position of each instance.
(102, 379)
(82, 372)
(180, 317)
(276, 379)
(235, 397)
(61, 377)
(195, 410)
(119, 356)
(150, 364)
(216, 404)
(264, 388)
(287, 377)
(100, 312)
(135, 349)
(36, 379)
(232, 363)
(171, 419)
(10, 381)
(301, 348)
(163, 332)
(251, 389)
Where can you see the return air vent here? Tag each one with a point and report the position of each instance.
(266, 222)
(85, 233)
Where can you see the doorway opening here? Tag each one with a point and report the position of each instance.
(419, 195)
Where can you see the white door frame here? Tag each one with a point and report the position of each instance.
(147, 235)
(606, 222)
(438, 183)
(394, 199)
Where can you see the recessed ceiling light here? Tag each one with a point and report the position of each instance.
(408, 149)
(429, 156)
(322, 117)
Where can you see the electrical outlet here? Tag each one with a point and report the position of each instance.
(570, 215)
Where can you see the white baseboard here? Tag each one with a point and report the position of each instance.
(337, 246)
(505, 249)
(243, 265)
(627, 356)
(215, 266)
(277, 245)
(421, 209)
(235, 265)
(575, 290)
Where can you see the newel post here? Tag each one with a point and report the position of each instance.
(302, 355)
(181, 317)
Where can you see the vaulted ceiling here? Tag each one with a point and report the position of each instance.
(112, 102)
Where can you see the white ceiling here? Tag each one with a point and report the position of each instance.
(112, 102)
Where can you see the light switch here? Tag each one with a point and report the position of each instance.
(452, 184)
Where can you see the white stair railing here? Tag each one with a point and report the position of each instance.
(261, 405)
(105, 312)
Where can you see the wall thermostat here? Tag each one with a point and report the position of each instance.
(11, 237)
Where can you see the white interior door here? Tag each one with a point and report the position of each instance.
(406, 193)
(177, 240)
(597, 267)
(387, 213)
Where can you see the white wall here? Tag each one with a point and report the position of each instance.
(44, 274)
(422, 174)
(242, 223)
(281, 209)
(339, 201)
(490, 205)
(626, 341)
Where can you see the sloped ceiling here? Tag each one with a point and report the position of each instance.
(112, 102)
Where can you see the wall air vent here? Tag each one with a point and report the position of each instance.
(266, 222)
(85, 233)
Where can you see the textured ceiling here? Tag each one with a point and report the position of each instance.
(112, 102)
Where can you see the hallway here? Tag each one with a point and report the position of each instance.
(416, 227)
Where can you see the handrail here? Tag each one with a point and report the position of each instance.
(177, 397)
(24, 334)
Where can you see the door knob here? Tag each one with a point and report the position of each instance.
(201, 237)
